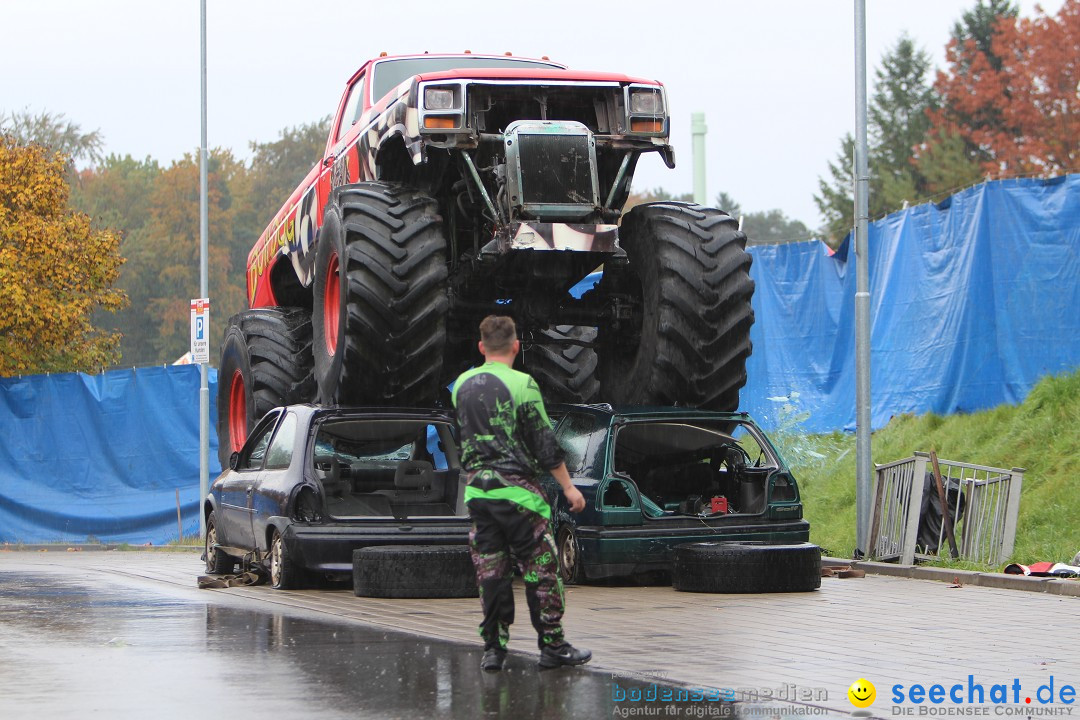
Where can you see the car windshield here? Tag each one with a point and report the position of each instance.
(391, 73)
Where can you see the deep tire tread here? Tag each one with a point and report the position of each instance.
(278, 367)
(395, 320)
(565, 373)
(694, 346)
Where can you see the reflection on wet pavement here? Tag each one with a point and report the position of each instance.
(74, 647)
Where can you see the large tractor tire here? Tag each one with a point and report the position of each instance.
(747, 567)
(565, 373)
(380, 299)
(689, 287)
(265, 363)
(414, 571)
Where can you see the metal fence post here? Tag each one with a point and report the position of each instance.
(1016, 482)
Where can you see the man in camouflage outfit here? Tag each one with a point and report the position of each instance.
(506, 444)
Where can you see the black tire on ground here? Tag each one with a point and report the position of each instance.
(747, 567)
(217, 562)
(285, 574)
(569, 555)
(414, 571)
(688, 340)
(565, 373)
(380, 300)
(265, 363)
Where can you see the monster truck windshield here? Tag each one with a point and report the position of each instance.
(391, 73)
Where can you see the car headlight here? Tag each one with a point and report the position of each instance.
(646, 102)
(439, 98)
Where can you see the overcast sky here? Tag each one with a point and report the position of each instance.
(775, 78)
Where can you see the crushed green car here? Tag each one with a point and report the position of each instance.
(655, 478)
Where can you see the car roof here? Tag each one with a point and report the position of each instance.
(648, 412)
(373, 412)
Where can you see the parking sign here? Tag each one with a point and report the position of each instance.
(200, 330)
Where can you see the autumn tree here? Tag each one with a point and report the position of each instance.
(55, 269)
(1039, 100)
(162, 274)
(953, 155)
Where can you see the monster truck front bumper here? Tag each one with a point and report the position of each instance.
(556, 236)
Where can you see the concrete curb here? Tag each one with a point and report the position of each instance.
(1000, 581)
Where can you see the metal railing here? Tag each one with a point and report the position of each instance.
(983, 515)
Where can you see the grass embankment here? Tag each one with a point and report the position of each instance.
(1042, 435)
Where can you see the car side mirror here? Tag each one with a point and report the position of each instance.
(234, 461)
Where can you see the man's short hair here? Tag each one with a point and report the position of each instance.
(498, 333)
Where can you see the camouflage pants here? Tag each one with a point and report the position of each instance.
(503, 533)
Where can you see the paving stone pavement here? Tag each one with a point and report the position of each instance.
(885, 629)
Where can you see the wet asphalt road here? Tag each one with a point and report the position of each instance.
(85, 645)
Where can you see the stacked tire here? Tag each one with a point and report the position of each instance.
(416, 571)
(747, 567)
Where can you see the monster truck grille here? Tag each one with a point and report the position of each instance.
(555, 169)
(551, 169)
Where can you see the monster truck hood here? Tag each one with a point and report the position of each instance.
(554, 74)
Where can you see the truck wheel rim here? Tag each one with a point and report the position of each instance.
(211, 543)
(237, 411)
(568, 556)
(275, 561)
(331, 305)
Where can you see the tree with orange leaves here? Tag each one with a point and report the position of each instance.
(1009, 100)
(56, 270)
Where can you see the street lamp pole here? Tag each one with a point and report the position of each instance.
(204, 389)
(862, 293)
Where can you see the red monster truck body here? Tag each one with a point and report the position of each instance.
(455, 186)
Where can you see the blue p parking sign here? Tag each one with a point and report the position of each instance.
(200, 330)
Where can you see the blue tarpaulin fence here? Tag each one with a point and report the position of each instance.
(85, 457)
(973, 300)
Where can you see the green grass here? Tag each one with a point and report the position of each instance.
(1041, 435)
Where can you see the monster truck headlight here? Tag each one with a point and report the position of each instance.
(442, 107)
(646, 102)
(645, 110)
(440, 98)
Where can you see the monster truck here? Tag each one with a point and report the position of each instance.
(455, 186)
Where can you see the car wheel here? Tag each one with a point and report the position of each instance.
(747, 567)
(380, 297)
(218, 562)
(565, 373)
(284, 573)
(414, 571)
(569, 556)
(689, 289)
(266, 362)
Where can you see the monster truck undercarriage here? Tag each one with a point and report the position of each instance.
(506, 218)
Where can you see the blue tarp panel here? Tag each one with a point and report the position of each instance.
(101, 456)
(972, 301)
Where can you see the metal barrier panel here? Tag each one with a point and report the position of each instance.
(984, 520)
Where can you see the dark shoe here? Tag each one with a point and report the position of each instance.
(493, 660)
(565, 654)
